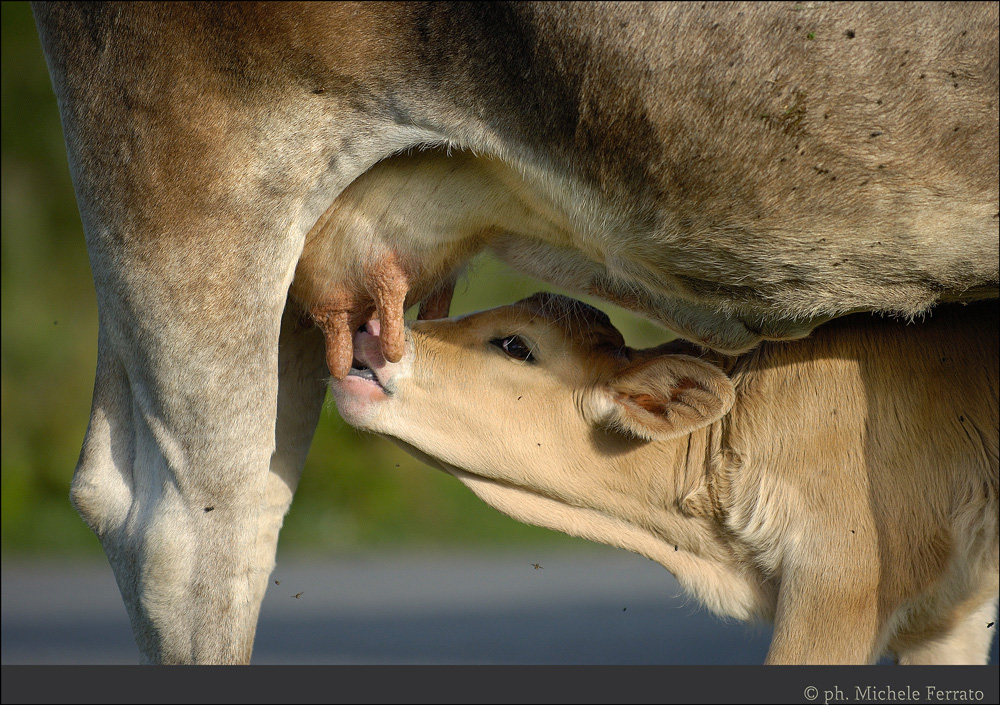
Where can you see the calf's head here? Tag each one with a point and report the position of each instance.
(542, 410)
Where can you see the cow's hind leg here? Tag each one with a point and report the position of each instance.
(186, 475)
(302, 385)
(196, 188)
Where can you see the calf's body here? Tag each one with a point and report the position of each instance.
(844, 486)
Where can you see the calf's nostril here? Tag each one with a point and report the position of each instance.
(373, 327)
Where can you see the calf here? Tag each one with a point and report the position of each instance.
(844, 486)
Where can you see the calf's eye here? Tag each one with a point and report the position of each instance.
(515, 347)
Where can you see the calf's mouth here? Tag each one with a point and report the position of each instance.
(362, 370)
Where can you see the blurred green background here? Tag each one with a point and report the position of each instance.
(357, 492)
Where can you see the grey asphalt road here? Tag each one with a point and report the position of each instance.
(598, 606)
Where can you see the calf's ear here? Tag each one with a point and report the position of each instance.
(663, 397)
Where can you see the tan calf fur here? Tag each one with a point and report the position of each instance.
(733, 171)
(844, 485)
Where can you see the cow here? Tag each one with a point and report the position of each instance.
(738, 172)
(844, 486)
